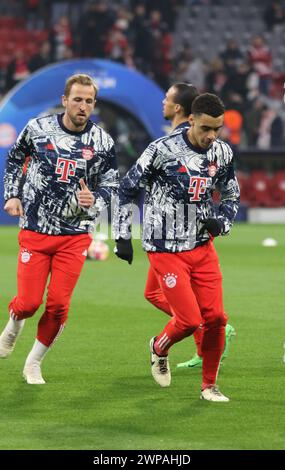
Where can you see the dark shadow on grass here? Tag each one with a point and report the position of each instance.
(22, 400)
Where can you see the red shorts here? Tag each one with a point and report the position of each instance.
(190, 283)
(60, 256)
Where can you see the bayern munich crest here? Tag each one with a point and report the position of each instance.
(87, 153)
(170, 280)
(212, 169)
(25, 256)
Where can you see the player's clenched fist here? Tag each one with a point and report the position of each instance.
(14, 207)
(84, 195)
(213, 226)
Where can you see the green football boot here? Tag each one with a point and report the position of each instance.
(230, 332)
(196, 360)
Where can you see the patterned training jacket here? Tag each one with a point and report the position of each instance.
(179, 180)
(58, 158)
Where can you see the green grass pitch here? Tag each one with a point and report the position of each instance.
(99, 392)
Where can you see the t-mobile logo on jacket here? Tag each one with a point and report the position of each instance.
(197, 187)
(65, 168)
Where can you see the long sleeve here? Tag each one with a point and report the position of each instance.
(136, 179)
(230, 197)
(14, 166)
(104, 185)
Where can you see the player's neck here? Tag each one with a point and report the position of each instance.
(70, 126)
(191, 138)
(178, 120)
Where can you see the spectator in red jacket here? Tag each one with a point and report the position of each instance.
(260, 58)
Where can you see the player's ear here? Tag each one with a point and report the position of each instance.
(63, 101)
(191, 119)
(177, 107)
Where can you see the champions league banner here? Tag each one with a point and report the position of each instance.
(42, 91)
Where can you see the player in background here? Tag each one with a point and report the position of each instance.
(177, 104)
(177, 109)
(70, 179)
(179, 173)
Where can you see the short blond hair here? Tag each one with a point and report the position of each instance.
(81, 79)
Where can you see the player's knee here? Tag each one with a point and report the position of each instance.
(60, 311)
(216, 320)
(193, 326)
(28, 308)
(24, 308)
(221, 319)
(148, 295)
(153, 298)
(188, 326)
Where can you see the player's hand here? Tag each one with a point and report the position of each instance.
(14, 207)
(84, 195)
(124, 250)
(212, 225)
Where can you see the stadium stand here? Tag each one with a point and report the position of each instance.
(278, 189)
(233, 49)
(259, 190)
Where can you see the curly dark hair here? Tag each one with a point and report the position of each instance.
(207, 103)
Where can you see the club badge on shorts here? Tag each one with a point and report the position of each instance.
(170, 280)
(212, 169)
(25, 255)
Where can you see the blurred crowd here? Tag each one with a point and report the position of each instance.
(135, 33)
(254, 116)
(140, 34)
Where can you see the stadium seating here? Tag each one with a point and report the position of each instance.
(10, 23)
(223, 21)
(277, 187)
(13, 36)
(259, 192)
(244, 184)
(259, 189)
